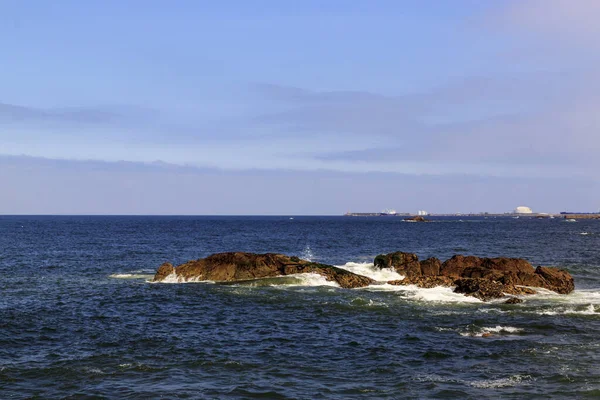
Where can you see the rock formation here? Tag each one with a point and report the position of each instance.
(483, 278)
(480, 277)
(230, 267)
(418, 218)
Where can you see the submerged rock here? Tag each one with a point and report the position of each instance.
(416, 219)
(480, 288)
(480, 277)
(425, 282)
(513, 300)
(239, 266)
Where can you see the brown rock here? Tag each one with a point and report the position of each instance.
(518, 290)
(456, 266)
(480, 288)
(557, 280)
(503, 274)
(426, 282)
(513, 300)
(229, 267)
(431, 267)
(406, 264)
(163, 271)
(416, 219)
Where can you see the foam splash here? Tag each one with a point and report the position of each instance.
(492, 331)
(173, 278)
(500, 383)
(576, 298)
(436, 294)
(513, 380)
(307, 279)
(589, 310)
(368, 269)
(131, 276)
(307, 253)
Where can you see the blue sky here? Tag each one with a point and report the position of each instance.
(497, 97)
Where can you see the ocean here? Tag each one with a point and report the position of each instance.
(79, 318)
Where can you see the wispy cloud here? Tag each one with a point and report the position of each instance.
(89, 187)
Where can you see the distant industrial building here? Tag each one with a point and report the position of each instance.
(523, 210)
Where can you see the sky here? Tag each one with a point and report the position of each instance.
(292, 108)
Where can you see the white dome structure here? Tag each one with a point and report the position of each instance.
(523, 210)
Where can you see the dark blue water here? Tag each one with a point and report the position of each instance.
(79, 320)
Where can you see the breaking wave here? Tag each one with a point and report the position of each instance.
(491, 331)
(369, 270)
(436, 294)
(133, 275)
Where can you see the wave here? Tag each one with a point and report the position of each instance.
(306, 279)
(510, 381)
(173, 278)
(411, 292)
(577, 297)
(513, 380)
(368, 269)
(491, 331)
(588, 310)
(436, 294)
(131, 276)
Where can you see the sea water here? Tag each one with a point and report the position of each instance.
(79, 317)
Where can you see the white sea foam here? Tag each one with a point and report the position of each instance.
(436, 294)
(307, 279)
(512, 380)
(485, 331)
(370, 270)
(131, 276)
(173, 278)
(589, 310)
(307, 253)
(575, 298)
(500, 383)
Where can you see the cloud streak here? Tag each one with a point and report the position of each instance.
(88, 187)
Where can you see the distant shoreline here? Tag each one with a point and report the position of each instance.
(533, 215)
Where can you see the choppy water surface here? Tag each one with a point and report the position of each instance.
(79, 319)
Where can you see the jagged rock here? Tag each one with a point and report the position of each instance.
(518, 290)
(163, 271)
(558, 280)
(431, 267)
(480, 288)
(417, 218)
(513, 300)
(228, 267)
(489, 277)
(406, 264)
(426, 282)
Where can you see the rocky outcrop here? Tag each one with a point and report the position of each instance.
(559, 279)
(418, 218)
(483, 278)
(230, 267)
(480, 277)
(513, 300)
(426, 282)
(163, 272)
